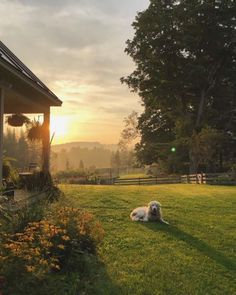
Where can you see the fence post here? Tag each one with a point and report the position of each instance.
(188, 180)
(204, 178)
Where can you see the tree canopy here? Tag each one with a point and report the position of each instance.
(185, 73)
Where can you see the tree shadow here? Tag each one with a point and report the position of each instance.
(194, 242)
(99, 281)
(93, 280)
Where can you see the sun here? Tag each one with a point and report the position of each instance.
(58, 125)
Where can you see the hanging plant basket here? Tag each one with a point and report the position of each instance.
(36, 131)
(17, 120)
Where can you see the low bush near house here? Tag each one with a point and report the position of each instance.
(84, 234)
(42, 182)
(30, 213)
(58, 244)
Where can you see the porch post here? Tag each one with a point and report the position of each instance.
(46, 141)
(1, 131)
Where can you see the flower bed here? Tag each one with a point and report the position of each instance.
(56, 245)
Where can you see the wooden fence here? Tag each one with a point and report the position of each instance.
(150, 180)
(202, 178)
(210, 178)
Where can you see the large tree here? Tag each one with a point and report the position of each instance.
(185, 57)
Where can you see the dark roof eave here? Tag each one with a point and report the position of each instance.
(50, 95)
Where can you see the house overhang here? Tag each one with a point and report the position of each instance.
(22, 92)
(24, 95)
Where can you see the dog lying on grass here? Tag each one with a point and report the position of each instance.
(150, 213)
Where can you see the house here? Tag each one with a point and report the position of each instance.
(21, 91)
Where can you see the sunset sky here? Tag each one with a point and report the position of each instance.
(76, 47)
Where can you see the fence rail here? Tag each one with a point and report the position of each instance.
(150, 180)
(201, 178)
(210, 178)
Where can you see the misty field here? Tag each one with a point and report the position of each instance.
(195, 254)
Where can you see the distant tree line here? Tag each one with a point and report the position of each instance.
(81, 159)
(123, 159)
(20, 149)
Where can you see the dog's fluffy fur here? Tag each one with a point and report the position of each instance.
(150, 213)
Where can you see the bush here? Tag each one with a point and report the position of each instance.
(8, 171)
(59, 244)
(42, 182)
(30, 251)
(21, 218)
(84, 233)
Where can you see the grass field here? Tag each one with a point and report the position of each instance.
(195, 254)
(137, 175)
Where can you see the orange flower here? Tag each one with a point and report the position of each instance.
(62, 247)
(65, 238)
(30, 268)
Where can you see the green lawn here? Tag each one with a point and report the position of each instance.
(137, 175)
(195, 254)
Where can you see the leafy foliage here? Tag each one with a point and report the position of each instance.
(206, 145)
(185, 60)
(57, 245)
(8, 170)
(130, 131)
(35, 131)
(41, 182)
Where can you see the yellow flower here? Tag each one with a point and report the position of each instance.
(62, 247)
(65, 238)
(43, 262)
(37, 251)
(27, 257)
(56, 266)
(30, 268)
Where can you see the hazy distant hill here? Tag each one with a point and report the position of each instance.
(83, 144)
(69, 155)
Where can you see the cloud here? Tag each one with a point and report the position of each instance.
(77, 48)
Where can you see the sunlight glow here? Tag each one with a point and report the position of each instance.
(58, 125)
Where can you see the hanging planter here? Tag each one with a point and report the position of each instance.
(35, 132)
(17, 120)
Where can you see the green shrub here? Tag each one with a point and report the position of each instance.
(21, 218)
(8, 171)
(60, 245)
(42, 182)
(84, 233)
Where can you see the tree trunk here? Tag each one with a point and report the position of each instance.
(200, 109)
(193, 165)
(221, 161)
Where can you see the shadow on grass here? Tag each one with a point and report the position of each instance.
(99, 281)
(93, 280)
(194, 242)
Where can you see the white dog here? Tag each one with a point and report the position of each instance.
(150, 213)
